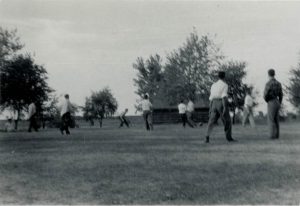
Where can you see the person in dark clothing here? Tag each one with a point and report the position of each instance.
(123, 118)
(273, 96)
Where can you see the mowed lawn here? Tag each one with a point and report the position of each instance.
(170, 165)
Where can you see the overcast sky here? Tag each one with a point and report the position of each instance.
(88, 44)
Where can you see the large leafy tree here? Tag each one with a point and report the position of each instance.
(294, 87)
(23, 82)
(99, 105)
(149, 75)
(187, 71)
(9, 45)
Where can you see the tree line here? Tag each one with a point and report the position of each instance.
(22, 82)
(186, 72)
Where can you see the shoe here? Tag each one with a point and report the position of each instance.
(207, 140)
(200, 124)
(232, 140)
(61, 131)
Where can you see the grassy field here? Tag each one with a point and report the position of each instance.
(170, 165)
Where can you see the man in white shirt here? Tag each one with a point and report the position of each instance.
(190, 108)
(123, 118)
(248, 109)
(65, 114)
(219, 107)
(182, 112)
(146, 106)
(32, 117)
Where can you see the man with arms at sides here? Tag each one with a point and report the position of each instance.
(182, 112)
(190, 108)
(146, 107)
(32, 117)
(248, 109)
(273, 96)
(66, 115)
(219, 107)
(123, 118)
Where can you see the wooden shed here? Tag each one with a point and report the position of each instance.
(165, 113)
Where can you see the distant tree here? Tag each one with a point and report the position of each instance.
(187, 71)
(9, 45)
(235, 73)
(23, 81)
(294, 87)
(99, 105)
(149, 76)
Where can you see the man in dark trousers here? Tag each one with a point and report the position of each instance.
(66, 115)
(273, 96)
(32, 117)
(219, 107)
(123, 118)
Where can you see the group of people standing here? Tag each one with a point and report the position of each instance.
(219, 106)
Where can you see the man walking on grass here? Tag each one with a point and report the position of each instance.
(147, 112)
(273, 96)
(66, 115)
(123, 118)
(190, 108)
(248, 109)
(219, 107)
(182, 112)
(32, 117)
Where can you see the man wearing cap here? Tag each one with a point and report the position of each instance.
(273, 96)
(219, 107)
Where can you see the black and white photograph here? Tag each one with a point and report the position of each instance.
(149, 102)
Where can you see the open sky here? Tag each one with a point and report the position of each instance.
(86, 45)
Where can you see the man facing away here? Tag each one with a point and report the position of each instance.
(190, 108)
(182, 112)
(123, 118)
(219, 107)
(65, 115)
(248, 109)
(32, 117)
(147, 112)
(273, 96)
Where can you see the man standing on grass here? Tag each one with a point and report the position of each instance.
(219, 107)
(66, 115)
(123, 118)
(182, 112)
(147, 112)
(32, 117)
(190, 108)
(248, 109)
(273, 96)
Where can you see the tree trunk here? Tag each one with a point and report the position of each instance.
(233, 118)
(16, 120)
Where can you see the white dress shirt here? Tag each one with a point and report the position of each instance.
(181, 108)
(146, 105)
(66, 107)
(248, 101)
(218, 90)
(190, 106)
(31, 110)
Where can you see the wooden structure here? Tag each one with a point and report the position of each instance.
(165, 113)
